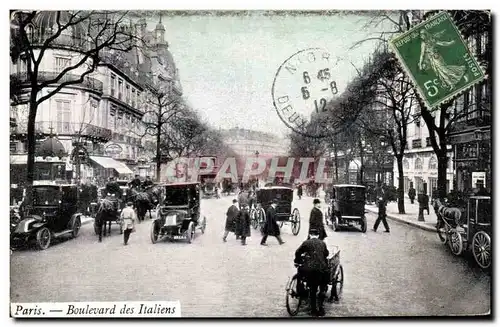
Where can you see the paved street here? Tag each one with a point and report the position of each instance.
(406, 272)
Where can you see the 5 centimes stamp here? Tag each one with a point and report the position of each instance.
(302, 88)
(436, 57)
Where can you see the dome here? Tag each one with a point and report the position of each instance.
(45, 24)
(160, 27)
(51, 147)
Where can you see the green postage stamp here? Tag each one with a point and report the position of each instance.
(436, 57)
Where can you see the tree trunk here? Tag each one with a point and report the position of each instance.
(158, 151)
(336, 159)
(362, 163)
(401, 185)
(441, 179)
(347, 177)
(30, 174)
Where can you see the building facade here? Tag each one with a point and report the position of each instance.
(101, 117)
(247, 143)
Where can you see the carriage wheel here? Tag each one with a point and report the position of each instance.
(155, 232)
(293, 299)
(262, 219)
(338, 283)
(43, 238)
(328, 216)
(295, 221)
(364, 225)
(253, 219)
(190, 232)
(442, 232)
(481, 249)
(75, 226)
(456, 242)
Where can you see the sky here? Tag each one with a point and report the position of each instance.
(227, 63)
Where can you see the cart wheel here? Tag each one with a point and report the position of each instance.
(295, 221)
(155, 232)
(75, 226)
(280, 224)
(336, 223)
(338, 283)
(456, 242)
(253, 219)
(43, 238)
(328, 216)
(261, 216)
(481, 249)
(442, 232)
(190, 232)
(293, 299)
(203, 225)
(364, 224)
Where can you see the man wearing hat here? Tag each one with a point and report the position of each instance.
(271, 226)
(231, 215)
(316, 219)
(312, 261)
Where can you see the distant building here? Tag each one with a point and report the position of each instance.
(246, 142)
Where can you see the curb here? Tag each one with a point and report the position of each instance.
(411, 223)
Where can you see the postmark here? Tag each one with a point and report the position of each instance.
(436, 57)
(302, 90)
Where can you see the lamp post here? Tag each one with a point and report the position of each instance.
(257, 157)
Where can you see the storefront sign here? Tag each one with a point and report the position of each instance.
(113, 149)
(478, 177)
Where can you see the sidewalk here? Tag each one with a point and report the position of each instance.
(411, 216)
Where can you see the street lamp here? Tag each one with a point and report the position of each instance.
(257, 156)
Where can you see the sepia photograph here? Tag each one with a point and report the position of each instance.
(250, 163)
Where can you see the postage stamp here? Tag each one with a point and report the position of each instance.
(302, 87)
(436, 57)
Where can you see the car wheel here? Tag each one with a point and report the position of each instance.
(75, 228)
(336, 223)
(154, 232)
(364, 224)
(43, 237)
(190, 232)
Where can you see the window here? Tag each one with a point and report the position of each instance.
(63, 116)
(120, 88)
(113, 84)
(133, 98)
(112, 117)
(119, 119)
(139, 97)
(406, 164)
(127, 94)
(418, 164)
(483, 42)
(433, 163)
(62, 63)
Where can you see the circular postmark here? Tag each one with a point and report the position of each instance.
(303, 90)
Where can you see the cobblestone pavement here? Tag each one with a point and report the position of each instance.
(405, 272)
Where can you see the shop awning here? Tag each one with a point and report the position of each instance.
(111, 163)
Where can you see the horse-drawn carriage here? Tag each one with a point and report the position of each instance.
(52, 214)
(178, 214)
(470, 229)
(284, 212)
(347, 207)
(108, 211)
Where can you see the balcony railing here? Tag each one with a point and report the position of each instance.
(66, 128)
(416, 143)
(44, 76)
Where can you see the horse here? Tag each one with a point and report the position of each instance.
(144, 201)
(106, 213)
(450, 214)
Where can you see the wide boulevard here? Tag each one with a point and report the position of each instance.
(405, 272)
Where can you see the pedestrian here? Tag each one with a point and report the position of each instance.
(271, 227)
(382, 214)
(299, 191)
(128, 219)
(316, 219)
(412, 193)
(147, 183)
(311, 257)
(231, 214)
(243, 225)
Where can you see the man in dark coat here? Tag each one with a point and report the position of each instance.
(243, 224)
(135, 183)
(299, 191)
(316, 219)
(271, 226)
(312, 256)
(382, 213)
(147, 183)
(112, 187)
(231, 214)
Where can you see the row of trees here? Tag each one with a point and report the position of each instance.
(92, 36)
(385, 103)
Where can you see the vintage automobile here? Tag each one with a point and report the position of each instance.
(209, 187)
(472, 231)
(178, 214)
(347, 207)
(284, 212)
(53, 214)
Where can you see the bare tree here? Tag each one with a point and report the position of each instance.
(100, 31)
